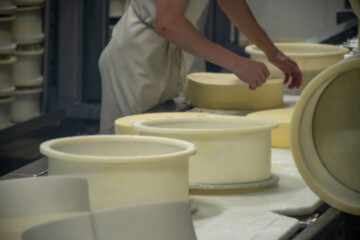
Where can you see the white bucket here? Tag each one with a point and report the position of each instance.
(7, 7)
(26, 104)
(6, 84)
(27, 202)
(5, 112)
(29, 2)
(124, 169)
(230, 149)
(26, 71)
(27, 26)
(311, 59)
(6, 38)
(325, 135)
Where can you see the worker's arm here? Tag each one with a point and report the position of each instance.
(172, 25)
(240, 14)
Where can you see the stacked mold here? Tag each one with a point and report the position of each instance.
(21, 51)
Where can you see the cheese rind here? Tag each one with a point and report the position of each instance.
(226, 91)
(280, 137)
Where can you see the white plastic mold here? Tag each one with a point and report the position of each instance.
(311, 59)
(230, 149)
(26, 104)
(123, 169)
(325, 135)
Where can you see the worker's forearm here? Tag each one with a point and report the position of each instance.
(241, 16)
(183, 34)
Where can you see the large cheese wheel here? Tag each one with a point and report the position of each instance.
(226, 91)
(124, 125)
(280, 137)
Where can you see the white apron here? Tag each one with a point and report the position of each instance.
(140, 69)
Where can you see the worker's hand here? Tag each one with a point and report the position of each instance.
(289, 68)
(252, 72)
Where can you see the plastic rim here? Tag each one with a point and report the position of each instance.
(29, 8)
(46, 148)
(32, 40)
(7, 99)
(231, 186)
(7, 91)
(301, 149)
(7, 18)
(8, 49)
(29, 83)
(9, 60)
(253, 50)
(21, 91)
(30, 52)
(11, 9)
(261, 125)
(29, 2)
(129, 120)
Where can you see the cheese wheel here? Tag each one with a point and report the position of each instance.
(225, 91)
(124, 125)
(280, 137)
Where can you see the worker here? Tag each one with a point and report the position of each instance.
(142, 66)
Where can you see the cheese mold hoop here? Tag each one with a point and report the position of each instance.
(26, 104)
(7, 92)
(6, 84)
(311, 59)
(226, 91)
(7, 7)
(8, 49)
(123, 125)
(26, 71)
(4, 111)
(27, 26)
(325, 135)
(5, 30)
(123, 169)
(227, 145)
(280, 137)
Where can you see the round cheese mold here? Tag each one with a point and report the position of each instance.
(26, 104)
(311, 59)
(26, 72)
(27, 26)
(231, 150)
(123, 169)
(5, 31)
(7, 87)
(325, 135)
